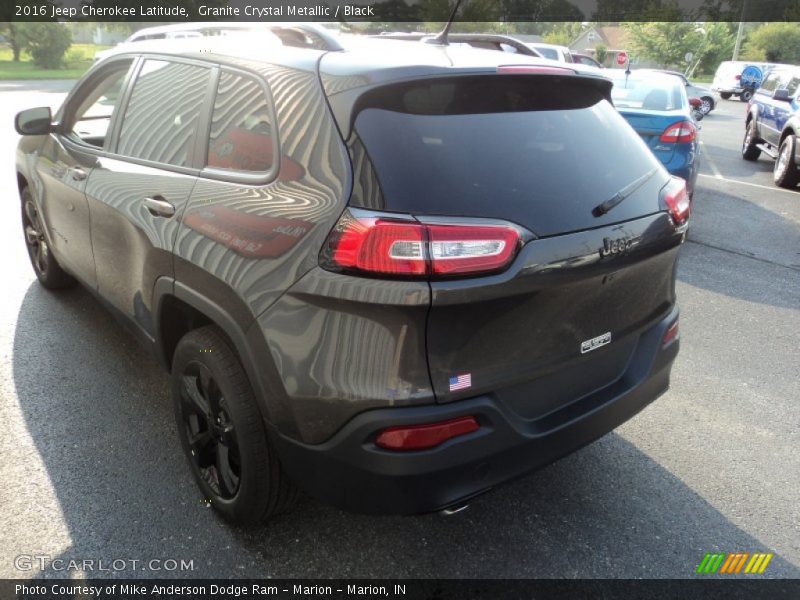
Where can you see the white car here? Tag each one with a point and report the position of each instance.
(727, 79)
(553, 52)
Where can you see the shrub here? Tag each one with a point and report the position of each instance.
(47, 44)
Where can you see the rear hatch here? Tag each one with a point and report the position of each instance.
(541, 152)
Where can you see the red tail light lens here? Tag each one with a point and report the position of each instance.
(385, 246)
(677, 200)
(422, 437)
(738, 77)
(671, 335)
(679, 133)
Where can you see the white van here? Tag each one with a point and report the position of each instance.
(727, 79)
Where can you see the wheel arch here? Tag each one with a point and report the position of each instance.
(179, 308)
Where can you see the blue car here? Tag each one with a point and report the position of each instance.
(657, 107)
(773, 123)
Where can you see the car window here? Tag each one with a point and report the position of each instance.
(547, 52)
(659, 94)
(242, 132)
(793, 84)
(161, 117)
(771, 83)
(91, 118)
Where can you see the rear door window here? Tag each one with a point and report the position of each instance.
(162, 115)
(243, 137)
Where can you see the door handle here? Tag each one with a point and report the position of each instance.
(158, 207)
(78, 174)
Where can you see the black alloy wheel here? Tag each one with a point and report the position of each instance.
(210, 432)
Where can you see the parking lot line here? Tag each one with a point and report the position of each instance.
(711, 162)
(763, 187)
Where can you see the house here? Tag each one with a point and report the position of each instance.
(615, 39)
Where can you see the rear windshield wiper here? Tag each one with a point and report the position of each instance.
(604, 207)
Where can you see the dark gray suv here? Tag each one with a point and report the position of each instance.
(394, 276)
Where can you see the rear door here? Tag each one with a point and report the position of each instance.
(542, 152)
(137, 192)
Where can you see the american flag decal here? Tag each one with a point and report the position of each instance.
(461, 382)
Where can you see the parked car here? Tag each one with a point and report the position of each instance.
(728, 79)
(585, 59)
(393, 276)
(553, 52)
(707, 96)
(657, 107)
(773, 122)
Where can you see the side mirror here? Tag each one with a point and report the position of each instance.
(34, 121)
(781, 94)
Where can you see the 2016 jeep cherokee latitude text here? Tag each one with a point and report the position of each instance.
(394, 276)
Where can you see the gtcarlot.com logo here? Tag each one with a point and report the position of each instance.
(734, 563)
(44, 562)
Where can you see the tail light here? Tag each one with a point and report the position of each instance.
(671, 335)
(422, 437)
(386, 245)
(676, 198)
(738, 77)
(679, 133)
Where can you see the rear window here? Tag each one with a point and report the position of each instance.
(539, 151)
(662, 93)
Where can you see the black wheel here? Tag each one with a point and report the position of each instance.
(222, 432)
(785, 173)
(749, 149)
(746, 95)
(45, 265)
(725, 95)
(707, 104)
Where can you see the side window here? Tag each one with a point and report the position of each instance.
(160, 121)
(771, 83)
(242, 132)
(89, 121)
(792, 86)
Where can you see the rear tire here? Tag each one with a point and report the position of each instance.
(725, 95)
(746, 95)
(785, 173)
(48, 271)
(749, 149)
(222, 431)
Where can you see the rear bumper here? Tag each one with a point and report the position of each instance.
(351, 472)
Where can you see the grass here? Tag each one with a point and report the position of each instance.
(77, 60)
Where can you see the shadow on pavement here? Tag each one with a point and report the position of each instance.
(98, 409)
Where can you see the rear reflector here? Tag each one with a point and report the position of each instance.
(676, 198)
(522, 69)
(422, 437)
(679, 133)
(671, 335)
(386, 245)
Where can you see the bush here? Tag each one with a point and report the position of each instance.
(47, 44)
(601, 53)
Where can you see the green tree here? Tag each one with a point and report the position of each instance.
(563, 34)
(601, 53)
(775, 42)
(665, 42)
(13, 34)
(47, 43)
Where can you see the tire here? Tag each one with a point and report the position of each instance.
(785, 174)
(725, 95)
(48, 271)
(708, 104)
(222, 432)
(749, 149)
(746, 95)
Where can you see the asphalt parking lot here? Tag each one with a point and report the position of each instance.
(91, 468)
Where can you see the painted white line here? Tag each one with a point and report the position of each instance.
(711, 162)
(763, 187)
